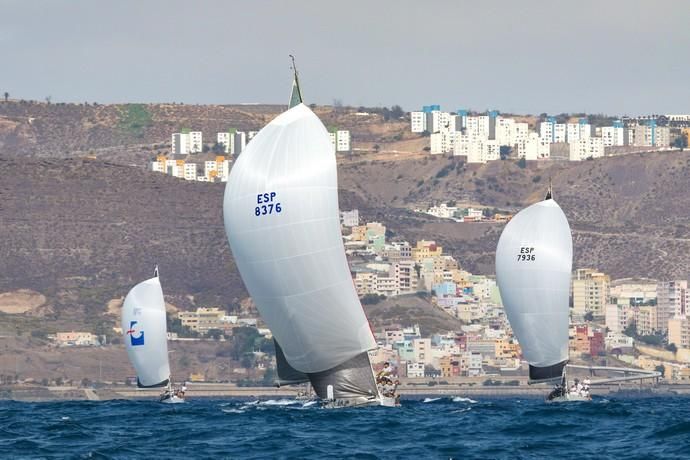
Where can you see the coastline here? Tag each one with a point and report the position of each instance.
(37, 393)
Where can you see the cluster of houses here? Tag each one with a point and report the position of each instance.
(488, 137)
(459, 214)
(183, 163)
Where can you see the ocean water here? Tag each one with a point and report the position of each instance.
(444, 428)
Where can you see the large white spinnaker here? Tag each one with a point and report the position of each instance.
(283, 224)
(145, 333)
(533, 269)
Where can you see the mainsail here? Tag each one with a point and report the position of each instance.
(145, 333)
(282, 221)
(533, 268)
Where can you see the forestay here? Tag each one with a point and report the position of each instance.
(145, 333)
(533, 270)
(282, 221)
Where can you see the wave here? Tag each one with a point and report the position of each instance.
(430, 400)
(279, 402)
(461, 399)
(233, 411)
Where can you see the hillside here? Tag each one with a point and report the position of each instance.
(134, 133)
(628, 213)
(77, 233)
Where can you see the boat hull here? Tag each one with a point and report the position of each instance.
(570, 398)
(173, 400)
(383, 401)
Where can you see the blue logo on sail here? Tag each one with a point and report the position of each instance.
(135, 340)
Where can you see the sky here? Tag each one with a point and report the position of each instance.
(619, 57)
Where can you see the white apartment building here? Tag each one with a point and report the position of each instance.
(180, 144)
(618, 317)
(210, 168)
(224, 138)
(546, 131)
(578, 131)
(477, 127)
(158, 166)
(462, 144)
(673, 299)
(533, 147)
(177, 171)
(437, 120)
(190, 171)
(484, 151)
(520, 132)
(592, 147)
(343, 141)
(187, 142)
(652, 136)
(350, 218)
(340, 140)
(233, 141)
(558, 133)
(422, 351)
(505, 131)
(613, 135)
(442, 142)
(418, 122)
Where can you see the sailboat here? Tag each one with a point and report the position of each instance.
(282, 222)
(145, 335)
(534, 261)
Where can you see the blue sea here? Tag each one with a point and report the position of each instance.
(444, 428)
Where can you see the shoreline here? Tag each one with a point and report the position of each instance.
(36, 393)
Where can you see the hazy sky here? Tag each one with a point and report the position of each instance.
(527, 56)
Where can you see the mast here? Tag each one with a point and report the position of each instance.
(296, 94)
(549, 192)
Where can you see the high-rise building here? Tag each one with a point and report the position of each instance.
(651, 135)
(679, 332)
(673, 301)
(186, 142)
(590, 292)
(613, 135)
(592, 147)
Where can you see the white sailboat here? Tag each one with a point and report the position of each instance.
(533, 270)
(145, 334)
(282, 222)
(534, 261)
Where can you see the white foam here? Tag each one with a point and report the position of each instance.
(279, 402)
(233, 411)
(459, 399)
(430, 400)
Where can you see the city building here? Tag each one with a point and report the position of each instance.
(679, 332)
(590, 292)
(78, 339)
(186, 142)
(583, 149)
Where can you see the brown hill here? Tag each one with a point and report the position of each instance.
(133, 133)
(82, 232)
(628, 213)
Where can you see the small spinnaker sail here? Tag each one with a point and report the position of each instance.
(145, 333)
(533, 269)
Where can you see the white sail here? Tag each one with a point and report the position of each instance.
(282, 221)
(533, 269)
(145, 333)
